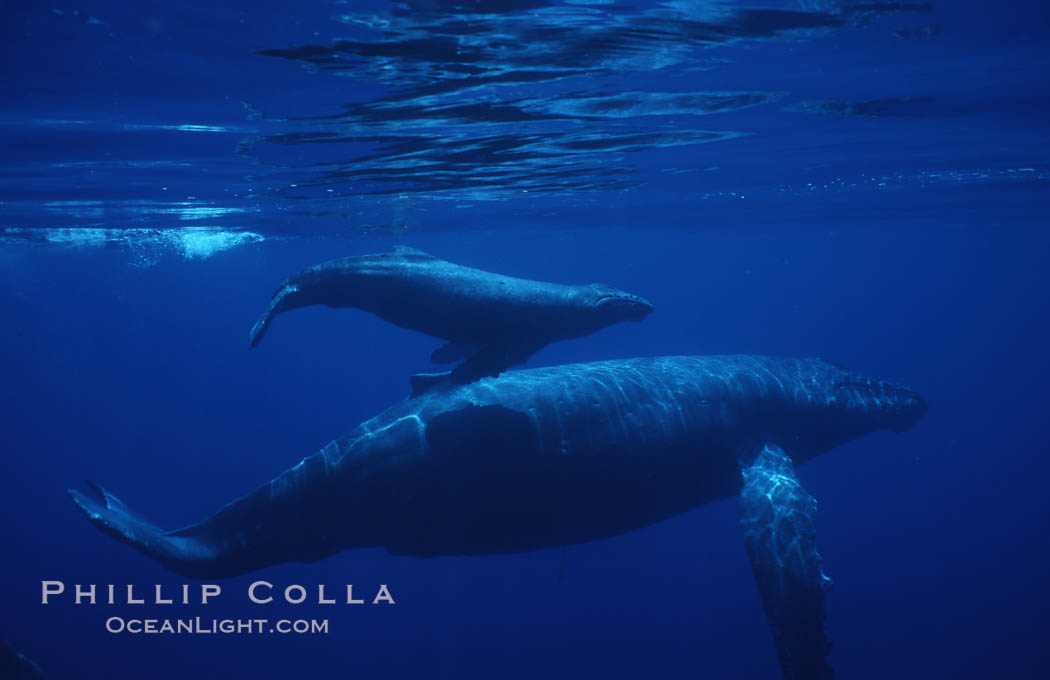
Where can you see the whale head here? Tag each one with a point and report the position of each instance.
(808, 406)
(829, 404)
(893, 406)
(614, 305)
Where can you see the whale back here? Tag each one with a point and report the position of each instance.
(566, 454)
(648, 400)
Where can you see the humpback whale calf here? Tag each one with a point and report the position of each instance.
(492, 321)
(557, 456)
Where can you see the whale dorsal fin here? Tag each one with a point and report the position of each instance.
(409, 251)
(424, 382)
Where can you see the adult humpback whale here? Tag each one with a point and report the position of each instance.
(497, 321)
(556, 456)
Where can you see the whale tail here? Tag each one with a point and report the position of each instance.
(278, 303)
(109, 514)
(269, 525)
(15, 665)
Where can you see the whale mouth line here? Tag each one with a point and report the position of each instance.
(870, 384)
(624, 299)
(872, 389)
(901, 401)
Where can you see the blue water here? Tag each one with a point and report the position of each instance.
(865, 182)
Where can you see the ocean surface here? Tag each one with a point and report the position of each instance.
(867, 182)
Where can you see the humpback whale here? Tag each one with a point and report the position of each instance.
(557, 456)
(490, 320)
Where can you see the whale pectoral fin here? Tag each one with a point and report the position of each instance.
(452, 352)
(492, 360)
(776, 516)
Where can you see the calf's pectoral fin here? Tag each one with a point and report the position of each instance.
(776, 516)
(452, 352)
(490, 361)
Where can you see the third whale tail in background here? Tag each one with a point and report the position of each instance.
(492, 321)
(15, 666)
(557, 456)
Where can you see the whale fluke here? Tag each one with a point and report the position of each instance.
(109, 514)
(277, 304)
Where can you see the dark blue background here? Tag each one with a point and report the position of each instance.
(139, 377)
